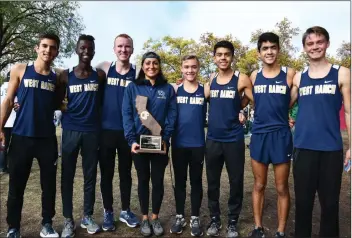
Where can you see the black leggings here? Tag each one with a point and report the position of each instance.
(110, 142)
(232, 154)
(317, 171)
(150, 166)
(4, 157)
(72, 143)
(22, 150)
(181, 158)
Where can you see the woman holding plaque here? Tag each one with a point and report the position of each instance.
(149, 113)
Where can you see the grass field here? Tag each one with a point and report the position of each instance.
(31, 215)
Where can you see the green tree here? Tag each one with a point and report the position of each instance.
(205, 52)
(21, 22)
(249, 62)
(300, 62)
(344, 54)
(245, 60)
(286, 32)
(171, 51)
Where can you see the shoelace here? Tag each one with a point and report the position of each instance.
(195, 222)
(90, 220)
(214, 225)
(107, 216)
(178, 220)
(49, 229)
(145, 223)
(156, 224)
(68, 225)
(130, 215)
(260, 231)
(232, 228)
(127, 216)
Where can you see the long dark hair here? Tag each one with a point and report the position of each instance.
(160, 79)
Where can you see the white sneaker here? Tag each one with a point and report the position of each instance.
(48, 231)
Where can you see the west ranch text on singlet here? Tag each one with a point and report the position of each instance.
(36, 95)
(83, 111)
(224, 107)
(191, 113)
(114, 90)
(319, 103)
(271, 99)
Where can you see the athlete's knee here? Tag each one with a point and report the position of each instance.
(259, 187)
(282, 190)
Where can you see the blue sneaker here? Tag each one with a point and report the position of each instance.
(109, 223)
(129, 218)
(89, 224)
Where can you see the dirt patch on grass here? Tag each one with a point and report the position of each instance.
(31, 215)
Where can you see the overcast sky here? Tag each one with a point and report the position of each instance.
(144, 20)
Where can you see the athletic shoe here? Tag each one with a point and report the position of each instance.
(157, 228)
(231, 229)
(69, 228)
(88, 223)
(145, 228)
(280, 234)
(214, 227)
(258, 232)
(129, 218)
(195, 226)
(109, 223)
(48, 231)
(13, 233)
(179, 224)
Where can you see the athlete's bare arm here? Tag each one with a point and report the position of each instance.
(102, 80)
(207, 85)
(62, 94)
(245, 99)
(101, 75)
(207, 90)
(16, 75)
(245, 85)
(104, 66)
(290, 74)
(345, 87)
(294, 89)
(253, 76)
(60, 87)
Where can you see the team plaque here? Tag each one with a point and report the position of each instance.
(149, 143)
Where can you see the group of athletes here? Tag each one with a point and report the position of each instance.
(100, 118)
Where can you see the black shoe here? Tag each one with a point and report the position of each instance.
(257, 233)
(214, 227)
(195, 226)
(177, 227)
(13, 233)
(280, 234)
